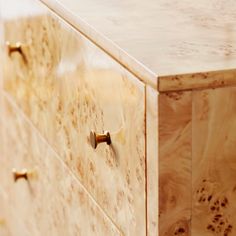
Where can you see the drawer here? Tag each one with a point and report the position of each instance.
(51, 201)
(27, 50)
(75, 88)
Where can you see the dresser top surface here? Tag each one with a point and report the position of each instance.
(159, 39)
(167, 36)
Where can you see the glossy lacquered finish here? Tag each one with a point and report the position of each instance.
(110, 154)
(69, 87)
(51, 201)
(197, 162)
(159, 39)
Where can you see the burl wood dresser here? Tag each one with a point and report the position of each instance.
(118, 118)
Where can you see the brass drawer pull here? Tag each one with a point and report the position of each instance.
(23, 174)
(17, 47)
(95, 139)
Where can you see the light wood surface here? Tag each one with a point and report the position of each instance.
(167, 37)
(4, 230)
(154, 39)
(52, 201)
(213, 79)
(175, 164)
(69, 87)
(152, 160)
(214, 162)
(170, 168)
(197, 162)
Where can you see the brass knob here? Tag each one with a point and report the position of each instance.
(17, 47)
(23, 174)
(95, 139)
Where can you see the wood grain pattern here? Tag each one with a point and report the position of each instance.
(154, 33)
(3, 228)
(212, 79)
(70, 87)
(52, 202)
(175, 128)
(214, 162)
(152, 160)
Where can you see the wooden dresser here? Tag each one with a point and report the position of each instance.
(118, 118)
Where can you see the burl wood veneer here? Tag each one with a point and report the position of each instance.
(197, 159)
(214, 162)
(69, 87)
(175, 163)
(160, 76)
(52, 201)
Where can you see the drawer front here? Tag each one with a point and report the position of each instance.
(71, 88)
(51, 201)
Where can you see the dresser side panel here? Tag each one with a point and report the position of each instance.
(214, 162)
(175, 133)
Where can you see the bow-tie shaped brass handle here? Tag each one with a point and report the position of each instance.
(13, 48)
(95, 139)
